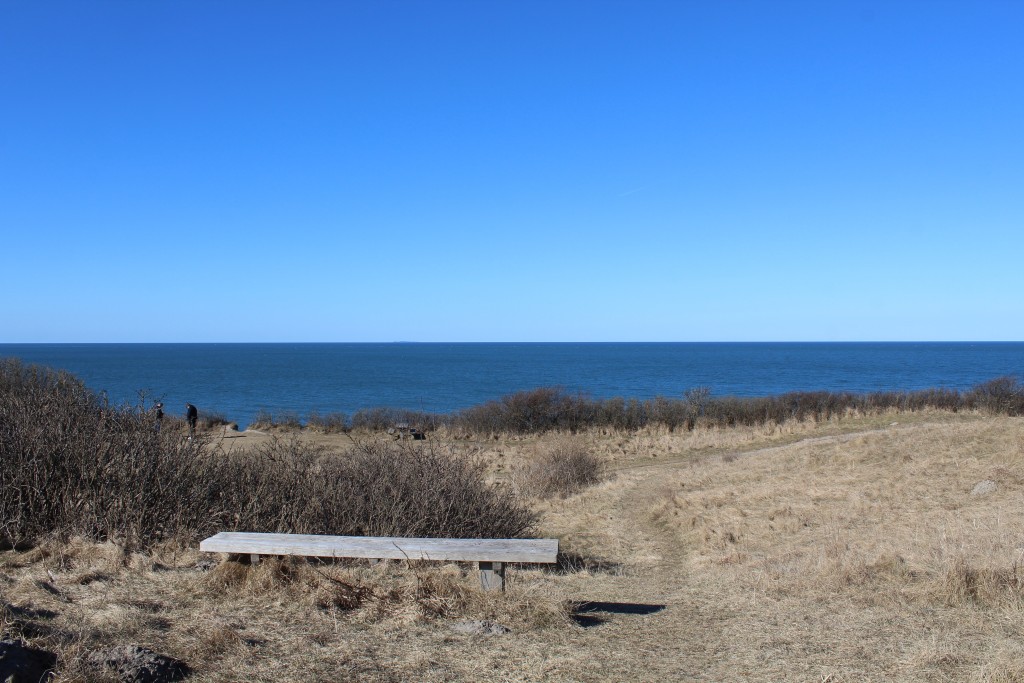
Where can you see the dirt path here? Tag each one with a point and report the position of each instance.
(657, 620)
(649, 622)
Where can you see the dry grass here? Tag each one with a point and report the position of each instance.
(877, 536)
(564, 466)
(270, 621)
(840, 550)
(895, 503)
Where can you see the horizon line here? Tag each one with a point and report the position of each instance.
(414, 342)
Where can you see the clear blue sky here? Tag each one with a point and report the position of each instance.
(511, 171)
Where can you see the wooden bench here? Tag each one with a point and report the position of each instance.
(403, 431)
(492, 554)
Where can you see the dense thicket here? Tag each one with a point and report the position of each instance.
(71, 464)
(552, 409)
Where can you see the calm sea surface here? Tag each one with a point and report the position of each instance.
(237, 380)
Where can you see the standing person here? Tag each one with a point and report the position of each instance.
(159, 414)
(191, 415)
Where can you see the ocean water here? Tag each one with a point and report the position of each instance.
(238, 380)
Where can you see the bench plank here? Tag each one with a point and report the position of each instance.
(544, 551)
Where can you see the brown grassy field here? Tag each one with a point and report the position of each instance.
(861, 549)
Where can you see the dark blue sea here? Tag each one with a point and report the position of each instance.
(238, 380)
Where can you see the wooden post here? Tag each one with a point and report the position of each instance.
(492, 575)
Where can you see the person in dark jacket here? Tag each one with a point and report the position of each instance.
(158, 413)
(191, 416)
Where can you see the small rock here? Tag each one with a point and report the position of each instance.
(20, 663)
(136, 664)
(205, 564)
(478, 627)
(983, 488)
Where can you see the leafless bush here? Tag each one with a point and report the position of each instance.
(375, 489)
(551, 409)
(382, 419)
(531, 412)
(417, 489)
(565, 468)
(1003, 395)
(209, 420)
(70, 464)
(331, 423)
(289, 420)
(266, 421)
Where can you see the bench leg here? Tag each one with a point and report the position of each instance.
(492, 576)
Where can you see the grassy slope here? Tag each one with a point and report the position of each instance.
(850, 550)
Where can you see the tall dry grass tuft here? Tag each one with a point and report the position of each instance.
(389, 591)
(964, 583)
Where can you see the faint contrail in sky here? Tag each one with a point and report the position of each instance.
(629, 192)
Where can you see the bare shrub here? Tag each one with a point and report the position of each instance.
(212, 420)
(374, 489)
(530, 412)
(289, 420)
(1003, 396)
(547, 409)
(331, 423)
(565, 468)
(72, 465)
(382, 419)
(551, 409)
(267, 421)
(416, 489)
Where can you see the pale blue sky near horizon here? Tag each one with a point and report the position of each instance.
(511, 171)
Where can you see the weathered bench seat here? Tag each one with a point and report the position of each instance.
(492, 554)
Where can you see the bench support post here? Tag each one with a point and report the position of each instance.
(492, 576)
